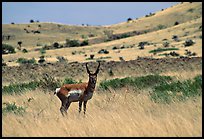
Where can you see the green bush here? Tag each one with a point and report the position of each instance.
(49, 83)
(11, 107)
(72, 43)
(24, 50)
(138, 82)
(7, 49)
(26, 61)
(19, 88)
(161, 26)
(168, 92)
(42, 51)
(69, 81)
(162, 50)
(85, 42)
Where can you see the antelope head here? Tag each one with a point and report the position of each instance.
(93, 76)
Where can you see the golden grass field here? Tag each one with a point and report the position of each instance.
(125, 112)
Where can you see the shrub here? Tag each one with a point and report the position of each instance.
(125, 35)
(85, 42)
(166, 44)
(162, 49)
(26, 61)
(188, 42)
(56, 45)
(129, 19)
(49, 83)
(3, 63)
(161, 26)
(72, 43)
(110, 72)
(7, 49)
(103, 51)
(41, 60)
(69, 81)
(138, 82)
(168, 92)
(31, 21)
(61, 59)
(11, 107)
(42, 51)
(19, 88)
(92, 56)
(19, 43)
(24, 50)
(176, 23)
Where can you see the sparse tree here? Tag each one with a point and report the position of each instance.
(19, 43)
(31, 21)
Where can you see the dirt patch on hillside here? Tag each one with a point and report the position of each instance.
(77, 70)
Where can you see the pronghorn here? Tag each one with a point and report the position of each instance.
(81, 92)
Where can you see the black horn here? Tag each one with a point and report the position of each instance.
(87, 69)
(97, 70)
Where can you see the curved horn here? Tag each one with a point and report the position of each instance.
(97, 70)
(87, 69)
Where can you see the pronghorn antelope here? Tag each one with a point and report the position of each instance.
(81, 92)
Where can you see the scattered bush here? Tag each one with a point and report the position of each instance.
(19, 88)
(26, 61)
(49, 83)
(42, 51)
(103, 51)
(173, 53)
(12, 23)
(31, 21)
(3, 63)
(138, 82)
(188, 42)
(175, 38)
(85, 42)
(69, 81)
(11, 107)
(24, 50)
(41, 60)
(168, 92)
(162, 49)
(72, 43)
(56, 45)
(110, 72)
(129, 19)
(166, 44)
(92, 56)
(161, 26)
(176, 23)
(190, 10)
(61, 59)
(7, 49)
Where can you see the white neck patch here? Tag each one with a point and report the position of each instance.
(57, 90)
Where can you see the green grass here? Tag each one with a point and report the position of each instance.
(19, 88)
(12, 108)
(168, 92)
(138, 82)
(26, 61)
(69, 81)
(162, 50)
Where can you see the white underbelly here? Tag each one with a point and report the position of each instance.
(74, 95)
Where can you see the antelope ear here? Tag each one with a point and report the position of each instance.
(87, 69)
(97, 70)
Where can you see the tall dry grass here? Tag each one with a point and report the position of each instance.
(120, 113)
